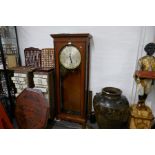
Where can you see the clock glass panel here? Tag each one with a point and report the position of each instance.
(70, 60)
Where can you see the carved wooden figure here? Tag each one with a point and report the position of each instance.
(146, 70)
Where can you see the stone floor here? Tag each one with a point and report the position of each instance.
(68, 125)
(57, 124)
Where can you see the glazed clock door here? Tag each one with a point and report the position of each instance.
(70, 87)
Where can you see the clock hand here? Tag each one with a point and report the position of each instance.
(70, 58)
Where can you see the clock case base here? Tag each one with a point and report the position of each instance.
(73, 118)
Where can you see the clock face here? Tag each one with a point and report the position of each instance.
(70, 57)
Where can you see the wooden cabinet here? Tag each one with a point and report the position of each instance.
(44, 81)
(23, 78)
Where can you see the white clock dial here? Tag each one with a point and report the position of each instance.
(70, 57)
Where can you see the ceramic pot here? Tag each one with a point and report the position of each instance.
(111, 109)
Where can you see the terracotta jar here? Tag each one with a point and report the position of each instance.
(111, 109)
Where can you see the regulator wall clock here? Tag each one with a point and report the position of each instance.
(72, 76)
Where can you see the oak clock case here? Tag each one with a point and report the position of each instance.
(72, 76)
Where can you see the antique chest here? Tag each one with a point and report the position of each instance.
(44, 81)
(47, 57)
(23, 78)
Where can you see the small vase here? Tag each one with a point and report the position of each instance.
(111, 109)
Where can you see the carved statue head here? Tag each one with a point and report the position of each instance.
(150, 49)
